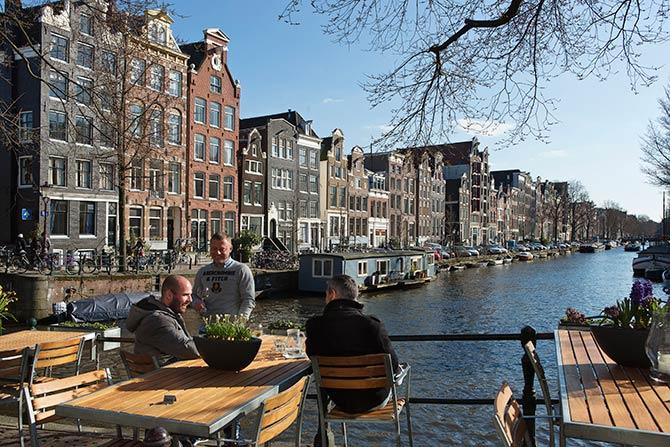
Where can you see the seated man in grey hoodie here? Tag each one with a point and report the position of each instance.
(158, 324)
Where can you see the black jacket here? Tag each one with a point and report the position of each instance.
(343, 330)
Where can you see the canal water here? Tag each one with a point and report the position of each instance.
(499, 299)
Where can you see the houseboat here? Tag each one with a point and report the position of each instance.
(371, 270)
(654, 257)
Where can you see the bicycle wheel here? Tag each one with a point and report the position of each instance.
(72, 267)
(18, 265)
(44, 266)
(88, 266)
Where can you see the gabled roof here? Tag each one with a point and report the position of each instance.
(453, 153)
(291, 116)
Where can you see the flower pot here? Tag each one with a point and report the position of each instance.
(228, 355)
(625, 346)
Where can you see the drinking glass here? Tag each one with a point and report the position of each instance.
(280, 345)
(295, 343)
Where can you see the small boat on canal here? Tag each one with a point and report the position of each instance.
(654, 257)
(632, 246)
(524, 256)
(375, 270)
(591, 247)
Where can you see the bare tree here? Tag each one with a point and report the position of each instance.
(578, 206)
(614, 217)
(656, 145)
(484, 64)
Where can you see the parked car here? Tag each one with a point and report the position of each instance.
(494, 249)
(461, 251)
(473, 251)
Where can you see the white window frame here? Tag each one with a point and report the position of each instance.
(200, 108)
(26, 126)
(22, 171)
(322, 262)
(363, 268)
(382, 262)
(198, 176)
(253, 167)
(214, 179)
(217, 141)
(195, 147)
(228, 152)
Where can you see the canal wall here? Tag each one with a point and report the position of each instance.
(36, 294)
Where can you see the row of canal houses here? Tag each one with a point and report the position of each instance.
(204, 170)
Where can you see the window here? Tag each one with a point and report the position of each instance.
(83, 130)
(108, 62)
(86, 24)
(228, 187)
(156, 75)
(156, 176)
(302, 156)
(199, 185)
(253, 167)
(136, 112)
(313, 184)
(137, 175)
(382, 267)
(58, 214)
(199, 147)
(214, 150)
(25, 126)
(288, 153)
(174, 178)
(157, 33)
(246, 196)
(84, 177)
(87, 218)
(229, 152)
(57, 171)
(282, 179)
(84, 55)
(137, 71)
(174, 127)
(302, 208)
(334, 226)
(258, 193)
(57, 125)
(215, 222)
(60, 48)
(107, 176)
(229, 118)
(57, 85)
(313, 159)
(229, 223)
(322, 268)
(156, 128)
(275, 147)
(155, 223)
(302, 182)
(254, 149)
(215, 84)
(332, 196)
(215, 114)
(83, 91)
(312, 209)
(214, 186)
(200, 115)
(174, 87)
(362, 268)
(25, 171)
(135, 222)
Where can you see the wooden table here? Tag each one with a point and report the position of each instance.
(207, 399)
(603, 401)
(28, 338)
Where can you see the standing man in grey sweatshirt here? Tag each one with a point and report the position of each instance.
(225, 286)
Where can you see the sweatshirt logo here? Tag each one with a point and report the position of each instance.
(216, 287)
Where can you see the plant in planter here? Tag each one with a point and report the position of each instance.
(244, 243)
(622, 329)
(279, 327)
(228, 343)
(6, 298)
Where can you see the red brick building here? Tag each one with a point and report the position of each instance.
(213, 139)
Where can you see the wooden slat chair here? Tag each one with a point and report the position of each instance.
(553, 412)
(508, 419)
(277, 414)
(138, 364)
(57, 353)
(12, 377)
(363, 372)
(42, 398)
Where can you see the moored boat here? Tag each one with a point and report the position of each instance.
(656, 256)
(632, 246)
(524, 256)
(495, 262)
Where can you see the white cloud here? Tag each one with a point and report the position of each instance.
(485, 128)
(555, 153)
(331, 100)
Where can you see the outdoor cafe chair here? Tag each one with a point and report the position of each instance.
(42, 397)
(508, 419)
(553, 412)
(277, 414)
(363, 372)
(56, 353)
(138, 364)
(12, 376)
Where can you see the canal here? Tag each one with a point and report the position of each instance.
(481, 300)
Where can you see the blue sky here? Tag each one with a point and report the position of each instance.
(282, 67)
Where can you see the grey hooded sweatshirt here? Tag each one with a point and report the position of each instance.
(225, 289)
(159, 331)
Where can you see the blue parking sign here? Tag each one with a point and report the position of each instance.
(26, 214)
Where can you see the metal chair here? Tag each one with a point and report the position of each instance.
(12, 377)
(138, 364)
(553, 412)
(363, 372)
(508, 419)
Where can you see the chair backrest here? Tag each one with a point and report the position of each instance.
(57, 353)
(508, 419)
(280, 411)
(138, 364)
(12, 366)
(353, 373)
(42, 398)
(539, 373)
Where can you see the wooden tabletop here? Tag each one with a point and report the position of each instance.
(603, 401)
(28, 338)
(207, 399)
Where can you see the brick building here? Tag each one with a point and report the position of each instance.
(358, 200)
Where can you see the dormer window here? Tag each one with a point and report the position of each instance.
(157, 33)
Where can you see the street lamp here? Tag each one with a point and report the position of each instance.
(45, 214)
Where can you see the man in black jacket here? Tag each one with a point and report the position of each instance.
(343, 330)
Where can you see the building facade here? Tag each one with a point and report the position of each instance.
(251, 181)
(333, 198)
(358, 213)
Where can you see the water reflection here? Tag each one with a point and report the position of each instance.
(487, 300)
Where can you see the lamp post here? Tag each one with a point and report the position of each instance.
(45, 203)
